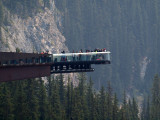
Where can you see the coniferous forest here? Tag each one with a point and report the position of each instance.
(33, 99)
(129, 29)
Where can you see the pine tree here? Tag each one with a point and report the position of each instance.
(147, 113)
(20, 104)
(115, 108)
(123, 110)
(82, 83)
(55, 101)
(77, 110)
(49, 89)
(134, 110)
(143, 113)
(46, 3)
(102, 104)
(80, 109)
(155, 112)
(1, 13)
(61, 89)
(42, 100)
(109, 101)
(32, 101)
(5, 103)
(95, 106)
(1, 18)
(90, 101)
(69, 100)
(129, 111)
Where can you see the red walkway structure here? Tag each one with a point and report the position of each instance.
(19, 66)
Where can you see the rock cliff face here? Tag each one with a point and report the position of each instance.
(39, 33)
(36, 34)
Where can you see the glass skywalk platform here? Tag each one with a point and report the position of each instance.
(81, 57)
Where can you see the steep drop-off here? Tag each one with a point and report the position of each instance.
(129, 29)
(33, 34)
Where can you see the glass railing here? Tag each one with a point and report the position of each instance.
(67, 57)
(91, 56)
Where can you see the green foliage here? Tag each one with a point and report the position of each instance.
(33, 99)
(155, 108)
(6, 105)
(129, 29)
(115, 108)
(18, 50)
(42, 100)
(1, 13)
(61, 89)
(20, 104)
(1, 18)
(151, 109)
(26, 8)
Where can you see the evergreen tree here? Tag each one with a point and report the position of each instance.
(123, 110)
(102, 104)
(90, 101)
(5, 103)
(1, 13)
(46, 3)
(80, 104)
(109, 101)
(82, 83)
(42, 101)
(62, 95)
(128, 111)
(61, 89)
(134, 110)
(115, 108)
(1, 18)
(77, 109)
(20, 104)
(69, 99)
(49, 89)
(55, 101)
(32, 101)
(155, 113)
(143, 113)
(147, 113)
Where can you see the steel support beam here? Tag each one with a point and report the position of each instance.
(11, 73)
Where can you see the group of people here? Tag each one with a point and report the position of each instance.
(95, 50)
(46, 52)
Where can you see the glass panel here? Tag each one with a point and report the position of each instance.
(69, 58)
(88, 57)
(108, 56)
(56, 58)
(93, 57)
(81, 57)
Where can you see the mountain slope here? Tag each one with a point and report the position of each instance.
(39, 32)
(129, 29)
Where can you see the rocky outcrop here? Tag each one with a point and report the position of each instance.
(36, 34)
(39, 33)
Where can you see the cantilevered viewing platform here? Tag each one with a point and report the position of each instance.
(18, 66)
(78, 62)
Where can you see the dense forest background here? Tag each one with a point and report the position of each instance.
(22, 8)
(33, 99)
(129, 29)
